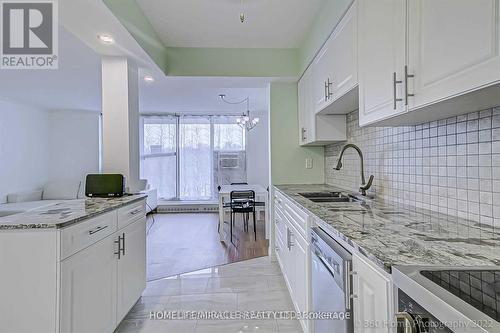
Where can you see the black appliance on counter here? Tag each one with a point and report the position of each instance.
(105, 185)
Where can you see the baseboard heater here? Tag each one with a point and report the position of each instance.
(186, 208)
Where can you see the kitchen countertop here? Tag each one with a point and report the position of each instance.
(65, 213)
(392, 234)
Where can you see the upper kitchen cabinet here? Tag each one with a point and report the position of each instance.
(381, 59)
(336, 68)
(453, 48)
(427, 61)
(316, 130)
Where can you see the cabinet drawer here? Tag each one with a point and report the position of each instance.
(131, 213)
(279, 222)
(84, 234)
(296, 216)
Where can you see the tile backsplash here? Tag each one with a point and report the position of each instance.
(451, 166)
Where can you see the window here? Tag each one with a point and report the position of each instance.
(159, 154)
(180, 156)
(228, 136)
(195, 159)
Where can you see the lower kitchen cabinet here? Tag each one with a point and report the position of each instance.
(81, 278)
(88, 289)
(372, 287)
(99, 285)
(292, 252)
(131, 267)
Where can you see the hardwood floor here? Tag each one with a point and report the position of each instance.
(180, 243)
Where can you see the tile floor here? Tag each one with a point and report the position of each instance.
(253, 285)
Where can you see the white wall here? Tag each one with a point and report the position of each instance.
(74, 144)
(258, 151)
(24, 148)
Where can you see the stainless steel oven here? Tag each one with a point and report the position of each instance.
(331, 284)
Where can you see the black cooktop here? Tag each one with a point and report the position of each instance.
(479, 288)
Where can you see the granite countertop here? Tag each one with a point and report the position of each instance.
(65, 213)
(392, 234)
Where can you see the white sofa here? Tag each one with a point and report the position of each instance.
(52, 193)
(57, 191)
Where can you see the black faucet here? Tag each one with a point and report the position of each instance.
(364, 186)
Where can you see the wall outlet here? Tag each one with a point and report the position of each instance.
(309, 163)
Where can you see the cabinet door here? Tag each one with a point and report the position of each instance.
(372, 306)
(88, 289)
(131, 267)
(304, 107)
(345, 54)
(322, 69)
(381, 53)
(453, 48)
(300, 254)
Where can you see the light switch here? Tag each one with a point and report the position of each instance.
(309, 163)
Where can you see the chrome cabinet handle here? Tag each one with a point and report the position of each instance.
(123, 244)
(119, 242)
(407, 76)
(96, 230)
(304, 137)
(395, 82)
(326, 91)
(289, 235)
(135, 212)
(329, 85)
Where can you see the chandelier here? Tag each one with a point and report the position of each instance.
(245, 121)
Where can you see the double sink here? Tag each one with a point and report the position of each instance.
(329, 197)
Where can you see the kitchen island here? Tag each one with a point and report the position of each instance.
(74, 266)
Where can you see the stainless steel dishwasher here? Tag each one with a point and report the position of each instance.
(331, 283)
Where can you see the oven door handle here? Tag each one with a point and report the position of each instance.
(406, 323)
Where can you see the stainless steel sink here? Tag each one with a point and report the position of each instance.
(328, 197)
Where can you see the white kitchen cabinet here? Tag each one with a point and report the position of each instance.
(305, 108)
(71, 279)
(131, 274)
(316, 130)
(88, 289)
(372, 306)
(292, 251)
(425, 60)
(301, 255)
(335, 69)
(381, 47)
(323, 77)
(344, 56)
(452, 48)
(100, 284)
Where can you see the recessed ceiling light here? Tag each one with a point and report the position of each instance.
(149, 78)
(106, 39)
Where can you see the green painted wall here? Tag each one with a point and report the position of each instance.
(287, 157)
(328, 17)
(133, 19)
(232, 62)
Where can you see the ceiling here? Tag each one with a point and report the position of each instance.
(216, 23)
(196, 95)
(75, 85)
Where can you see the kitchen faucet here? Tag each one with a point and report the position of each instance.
(364, 186)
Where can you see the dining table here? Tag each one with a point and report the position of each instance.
(261, 196)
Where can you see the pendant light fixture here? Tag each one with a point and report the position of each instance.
(245, 121)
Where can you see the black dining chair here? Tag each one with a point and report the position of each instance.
(243, 202)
